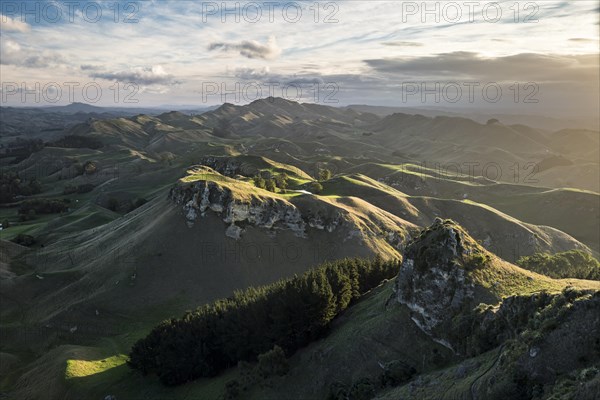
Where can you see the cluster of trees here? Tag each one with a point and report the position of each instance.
(11, 185)
(21, 149)
(127, 206)
(30, 208)
(270, 365)
(24, 240)
(77, 142)
(394, 373)
(569, 264)
(485, 327)
(315, 187)
(324, 174)
(289, 313)
(271, 183)
(79, 189)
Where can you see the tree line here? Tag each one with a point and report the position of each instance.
(12, 185)
(569, 264)
(289, 313)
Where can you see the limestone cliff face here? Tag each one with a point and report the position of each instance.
(433, 281)
(237, 212)
(202, 196)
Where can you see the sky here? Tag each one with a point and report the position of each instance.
(514, 56)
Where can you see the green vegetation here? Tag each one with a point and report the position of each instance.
(488, 327)
(270, 182)
(11, 186)
(259, 182)
(270, 185)
(290, 313)
(394, 373)
(83, 368)
(366, 346)
(271, 364)
(569, 264)
(21, 148)
(24, 240)
(315, 187)
(281, 181)
(324, 174)
(30, 208)
(79, 189)
(112, 204)
(77, 142)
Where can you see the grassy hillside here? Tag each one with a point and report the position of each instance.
(163, 215)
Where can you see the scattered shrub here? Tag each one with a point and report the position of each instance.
(90, 168)
(315, 187)
(11, 186)
(363, 389)
(112, 204)
(273, 363)
(338, 391)
(233, 390)
(259, 182)
(569, 264)
(282, 181)
(77, 142)
(80, 189)
(396, 373)
(43, 206)
(324, 174)
(24, 240)
(270, 185)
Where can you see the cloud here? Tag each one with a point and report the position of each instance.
(251, 73)
(250, 48)
(13, 25)
(88, 67)
(265, 76)
(11, 53)
(468, 65)
(144, 76)
(403, 44)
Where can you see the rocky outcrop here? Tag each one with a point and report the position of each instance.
(433, 281)
(272, 213)
(202, 196)
(226, 166)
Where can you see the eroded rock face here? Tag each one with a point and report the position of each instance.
(224, 165)
(432, 281)
(273, 214)
(202, 196)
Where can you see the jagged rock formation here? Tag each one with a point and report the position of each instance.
(433, 281)
(226, 166)
(261, 212)
(240, 205)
